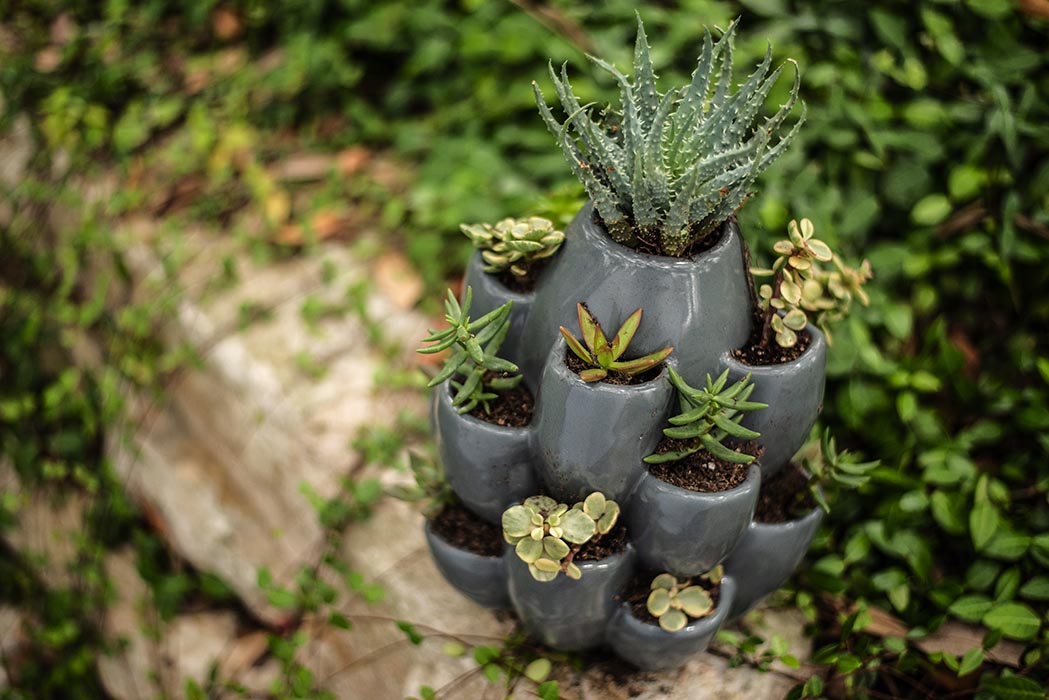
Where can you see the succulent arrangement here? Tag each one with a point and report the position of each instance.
(709, 416)
(514, 245)
(801, 286)
(603, 356)
(474, 344)
(547, 534)
(671, 167)
(665, 171)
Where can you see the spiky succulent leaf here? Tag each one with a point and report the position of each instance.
(604, 356)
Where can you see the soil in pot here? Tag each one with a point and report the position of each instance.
(605, 546)
(702, 471)
(784, 497)
(620, 378)
(525, 284)
(753, 353)
(639, 588)
(707, 242)
(462, 529)
(512, 409)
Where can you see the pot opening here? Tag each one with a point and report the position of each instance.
(463, 530)
(701, 471)
(785, 496)
(637, 591)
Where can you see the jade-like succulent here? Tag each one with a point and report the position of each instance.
(430, 487)
(708, 416)
(514, 244)
(474, 345)
(602, 355)
(801, 286)
(675, 602)
(830, 470)
(547, 534)
(667, 168)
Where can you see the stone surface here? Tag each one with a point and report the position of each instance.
(11, 636)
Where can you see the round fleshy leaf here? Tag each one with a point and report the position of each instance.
(790, 291)
(543, 504)
(799, 263)
(594, 505)
(664, 581)
(517, 521)
(811, 290)
(537, 519)
(540, 575)
(555, 549)
(572, 571)
(553, 520)
(537, 533)
(593, 375)
(786, 338)
(819, 249)
(556, 532)
(548, 565)
(528, 550)
(695, 601)
(795, 319)
(608, 518)
(783, 247)
(673, 621)
(807, 229)
(560, 510)
(658, 602)
(578, 527)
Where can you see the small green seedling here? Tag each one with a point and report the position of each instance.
(603, 356)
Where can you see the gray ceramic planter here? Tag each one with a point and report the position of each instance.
(568, 614)
(688, 532)
(700, 306)
(479, 578)
(489, 293)
(766, 557)
(651, 648)
(794, 394)
(593, 436)
(490, 467)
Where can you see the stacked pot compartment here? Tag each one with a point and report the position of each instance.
(592, 437)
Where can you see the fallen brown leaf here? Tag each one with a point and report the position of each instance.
(245, 652)
(226, 24)
(303, 167)
(352, 159)
(397, 279)
(48, 59)
(322, 225)
(957, 638)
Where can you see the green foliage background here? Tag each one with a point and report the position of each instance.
(926, 151)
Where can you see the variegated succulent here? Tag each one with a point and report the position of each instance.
(709, 416)
(547, 534)
(514, 245)
(675, 602)
(602, 355)
(474, 344)
(668, 168)
(801, 286)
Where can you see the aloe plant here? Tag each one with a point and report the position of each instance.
(514, 245)
(547, 534)
(672, 167)
(604, 356)
(474, 344)
(801, 286)
(675, 602)
(708, 416)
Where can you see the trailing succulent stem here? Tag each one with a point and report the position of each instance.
(674, 603)
(709, 416)
(800, 286)
(547, 534)
(514, 245)
(830, 470)
(671, 167)
(430, 487)
(602, 355)
(474, 344)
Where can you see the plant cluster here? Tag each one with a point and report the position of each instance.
(708, 417)
(603, 356)
(673, 166)
(474, 344)
(430, 486)
(514, 245)
(547, 534)
(674, 602)
(830, 470)
(800, 286)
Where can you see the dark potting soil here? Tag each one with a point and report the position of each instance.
(651, 247)
(772, 354)
(785, 496)
(637, 591)
(575, 364)
(605, 546)
(513, 408)
(460, 528)
(701, 471)
(522, 285)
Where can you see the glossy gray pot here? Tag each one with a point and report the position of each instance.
(489, 293)
(651, 648)
(766, 557)
(700, 306)
(794, 394)
(567, 614)
(481, 579)
(593, 436)
(490, 467)
(688, 532)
